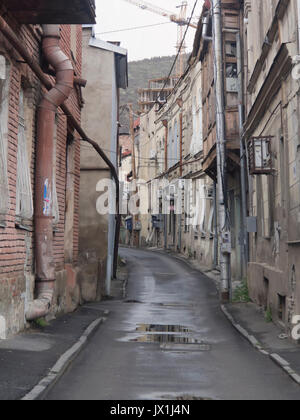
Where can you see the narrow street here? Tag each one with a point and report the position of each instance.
(169, 339)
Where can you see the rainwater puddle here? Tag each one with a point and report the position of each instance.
(174, 338)
(164, 339)
(154, 328)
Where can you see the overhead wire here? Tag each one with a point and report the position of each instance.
(133, 28)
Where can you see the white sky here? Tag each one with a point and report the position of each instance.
(142, 43)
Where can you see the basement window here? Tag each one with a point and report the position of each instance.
(4, 90)
(24, 201)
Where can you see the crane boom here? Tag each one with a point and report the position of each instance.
(144, 5)
(179, 19)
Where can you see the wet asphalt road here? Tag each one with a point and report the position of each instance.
(167, 295)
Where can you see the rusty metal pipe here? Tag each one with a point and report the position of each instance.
(45, 266)
(35, 67)
(45, 80)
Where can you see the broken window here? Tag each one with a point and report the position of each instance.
(24, 202)
(231, 49)
(4, 90)
(231, 77)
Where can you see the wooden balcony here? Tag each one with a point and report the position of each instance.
(52, 11)
(232, 145)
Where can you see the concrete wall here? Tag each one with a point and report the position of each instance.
(99, 119)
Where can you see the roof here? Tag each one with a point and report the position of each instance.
(104, 45)
(121, 55)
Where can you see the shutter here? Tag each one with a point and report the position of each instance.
(24, 203)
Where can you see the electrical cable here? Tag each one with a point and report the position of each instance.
(133, 28)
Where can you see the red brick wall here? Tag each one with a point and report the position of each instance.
(16, 245)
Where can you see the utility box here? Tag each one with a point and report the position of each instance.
(226, 243)
(252, 224)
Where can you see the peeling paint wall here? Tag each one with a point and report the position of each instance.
(275, 198)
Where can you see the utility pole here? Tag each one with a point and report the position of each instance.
(224, 224)
(131, 119)
(245, 236)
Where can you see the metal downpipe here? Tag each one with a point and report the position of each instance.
(45, 265)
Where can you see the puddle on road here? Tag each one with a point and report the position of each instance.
(176, 338)
(154, 328)
(164, 339)
(164, 334)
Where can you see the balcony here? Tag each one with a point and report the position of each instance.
(52, 11)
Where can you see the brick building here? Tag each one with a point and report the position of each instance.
(21, 93)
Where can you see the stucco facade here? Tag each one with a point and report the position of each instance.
(272, 93)
(101, 63)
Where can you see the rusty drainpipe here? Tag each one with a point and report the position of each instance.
(35, 67)
(45, 267)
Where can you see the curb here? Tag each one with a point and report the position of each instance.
(62, 364)
(278, 360)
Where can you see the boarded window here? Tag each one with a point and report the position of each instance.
(24, 202)
(4, 89)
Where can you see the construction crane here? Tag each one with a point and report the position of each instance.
(180, 19)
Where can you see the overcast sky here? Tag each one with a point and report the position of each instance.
(142, 43)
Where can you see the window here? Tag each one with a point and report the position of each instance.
(24, 203)
(176, 153)
(4, 89)
(200, 119)
(231, 77)
(170, 148)
(55, 199)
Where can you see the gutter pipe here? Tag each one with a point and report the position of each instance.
(45, 267)
(35, 67)
(9, 34)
